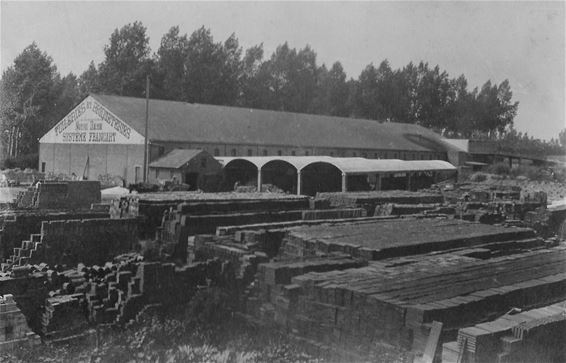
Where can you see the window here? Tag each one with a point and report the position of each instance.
(394, 155)
(354, 154)
(307, 153)
(43, 167)
(332, 153)
(375, 156)
(8, 331)
(203, 163)
(279, 152)
(264, 152)
(364, 155)
(156, 173)
(171, 174)
(233, 152)
(216, 152)
(293, 153)
(414, 156)
(250, 152)
(161, 150)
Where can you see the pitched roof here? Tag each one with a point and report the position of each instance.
(181, 121)
(175, 158)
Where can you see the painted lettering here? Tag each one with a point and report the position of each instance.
(74, 137)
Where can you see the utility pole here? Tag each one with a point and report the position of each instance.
(146, 149)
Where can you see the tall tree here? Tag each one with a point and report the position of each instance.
(291, 83)
(331, 97)
(254, 88)
(126, 62)
(171, 58)
(31, 92)
(89, 81)
(212, 69)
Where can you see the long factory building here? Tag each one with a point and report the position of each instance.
(103, 136)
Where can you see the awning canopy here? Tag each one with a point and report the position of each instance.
(348, 166)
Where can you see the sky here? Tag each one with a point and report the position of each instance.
(523, 42)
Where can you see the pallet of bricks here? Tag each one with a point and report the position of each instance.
(358, 308)
(204, 216)
(370, 200)
(535, 335)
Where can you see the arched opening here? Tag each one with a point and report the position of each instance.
(320, 177)
(281, 174)
(239, 171)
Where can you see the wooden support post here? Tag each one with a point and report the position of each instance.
(408, 181)
(259, 180)
(344, 182)
(299, 186)
(378, 182)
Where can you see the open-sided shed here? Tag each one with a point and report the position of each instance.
(311, 174)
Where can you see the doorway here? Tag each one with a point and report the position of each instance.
(192, 180)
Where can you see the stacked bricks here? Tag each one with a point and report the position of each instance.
(397, 302)
(377, 239)
(205, 215)
(275, 288)
(60, 195)
(14, 331)
(369, 200)
(529, 336)
(63, 314)
(68, 242)
(16, 226)
(30, 291)
(152, 205)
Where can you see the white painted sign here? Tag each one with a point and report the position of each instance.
(92, 123)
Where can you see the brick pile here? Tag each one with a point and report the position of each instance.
(377, 239)
(15, 226)
(90, 241)
(528, 336)
(14, 330)
(369, 200)
(60, 195)
(396, 302)
(118, 291)
(151, 206)
(63, 315)
(30, 289)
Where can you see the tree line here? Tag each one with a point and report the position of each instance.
(198, 69)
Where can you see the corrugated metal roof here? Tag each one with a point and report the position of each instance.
(180, 121)
(175, 158)
(349, 165)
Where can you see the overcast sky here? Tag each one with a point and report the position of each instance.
(519, 41)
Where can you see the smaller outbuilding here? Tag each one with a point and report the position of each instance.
(196, 168)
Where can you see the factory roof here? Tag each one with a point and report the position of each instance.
(175, 158)
(198, 123)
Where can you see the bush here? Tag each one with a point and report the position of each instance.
(23, 162)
